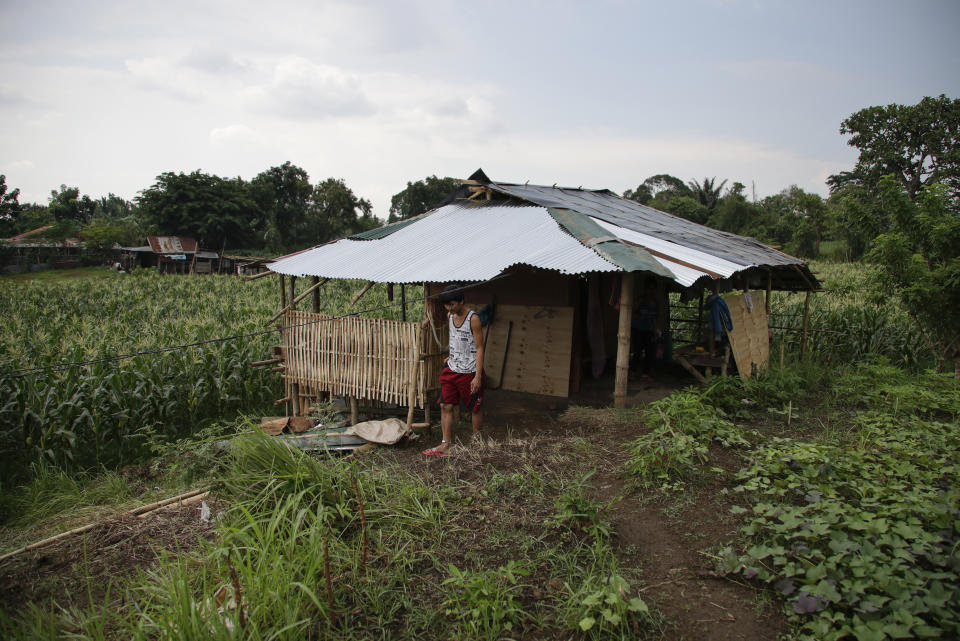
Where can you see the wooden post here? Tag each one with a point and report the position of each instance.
(806, 320)
(769, 291)
(283, 291)
(403, 306)
(623, 341)
(354, 410)
(293, 292)
(700, 318)
(316, 294)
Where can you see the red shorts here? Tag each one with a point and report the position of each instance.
(455, 388)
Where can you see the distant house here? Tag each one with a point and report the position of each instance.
(32, 252)
(171, 255)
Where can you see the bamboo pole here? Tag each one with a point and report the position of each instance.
(187, 501)
(623, 341)
(766, 303)
(806, 320)
(260, 275)
(363, 291)
(315, 288)
(293, 291)
(403, 302)
(354, 410)
(283, 291)
(141, 511)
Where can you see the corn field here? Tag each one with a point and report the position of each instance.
(106, 414)
(851, 324)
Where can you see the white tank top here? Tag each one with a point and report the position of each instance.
(463, 349)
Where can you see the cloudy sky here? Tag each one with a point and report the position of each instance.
(107, 95)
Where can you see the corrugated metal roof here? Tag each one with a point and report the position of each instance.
(172, 244)
(697, 263)
(607, 206)
(456, 242)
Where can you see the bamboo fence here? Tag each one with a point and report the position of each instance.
(363, 358)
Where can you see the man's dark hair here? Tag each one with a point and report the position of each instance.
(452, 293)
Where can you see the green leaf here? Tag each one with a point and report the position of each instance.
(586, 623)
(637, 605)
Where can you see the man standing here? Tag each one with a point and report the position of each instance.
(462, 378)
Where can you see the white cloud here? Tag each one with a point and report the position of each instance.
(235, 135)
(17, 165)
(302, 89)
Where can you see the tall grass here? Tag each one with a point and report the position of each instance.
(327, 548)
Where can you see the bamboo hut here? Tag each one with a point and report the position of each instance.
(549, 260)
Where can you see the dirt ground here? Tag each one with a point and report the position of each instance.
(673, 543)
(84, 568)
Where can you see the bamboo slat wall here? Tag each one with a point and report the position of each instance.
(363, 358)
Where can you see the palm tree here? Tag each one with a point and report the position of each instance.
(708, 194)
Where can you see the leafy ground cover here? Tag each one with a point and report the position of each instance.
(857, 528)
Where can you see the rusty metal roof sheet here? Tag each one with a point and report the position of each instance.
(172, 244)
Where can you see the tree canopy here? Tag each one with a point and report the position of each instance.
(919, 144)
(420, 197)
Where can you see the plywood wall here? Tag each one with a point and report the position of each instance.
(749, 338)
(539, 351)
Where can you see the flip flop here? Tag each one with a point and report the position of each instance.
(433, 452)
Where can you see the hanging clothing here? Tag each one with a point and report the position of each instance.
(719, 315)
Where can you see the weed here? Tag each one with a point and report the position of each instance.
(485, 603)
(604, 609)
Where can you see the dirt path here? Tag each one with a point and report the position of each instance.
(675, 551)
(673, 542)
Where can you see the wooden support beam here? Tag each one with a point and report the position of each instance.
(293, 303)
(690, 368)
(272, 361)
(354, 410)
(360, 294)
(806, 320)
(293, 292)
(769, 291)
(315, 288)
(403, 301)
(623, 341)
(283, 291)
(260, 275)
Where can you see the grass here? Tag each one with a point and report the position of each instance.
(335, 548)
(56, 275)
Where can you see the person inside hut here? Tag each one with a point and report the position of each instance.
(644, 330)
(462, 377)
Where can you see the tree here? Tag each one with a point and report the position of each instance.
(216, 211)
(335, 212)
(9, 209)
(420, 197)
(919, 144)
(67, 204)
(708, 194)
(734, 213)
(919, 256)
(660, 186)
(284, 194)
